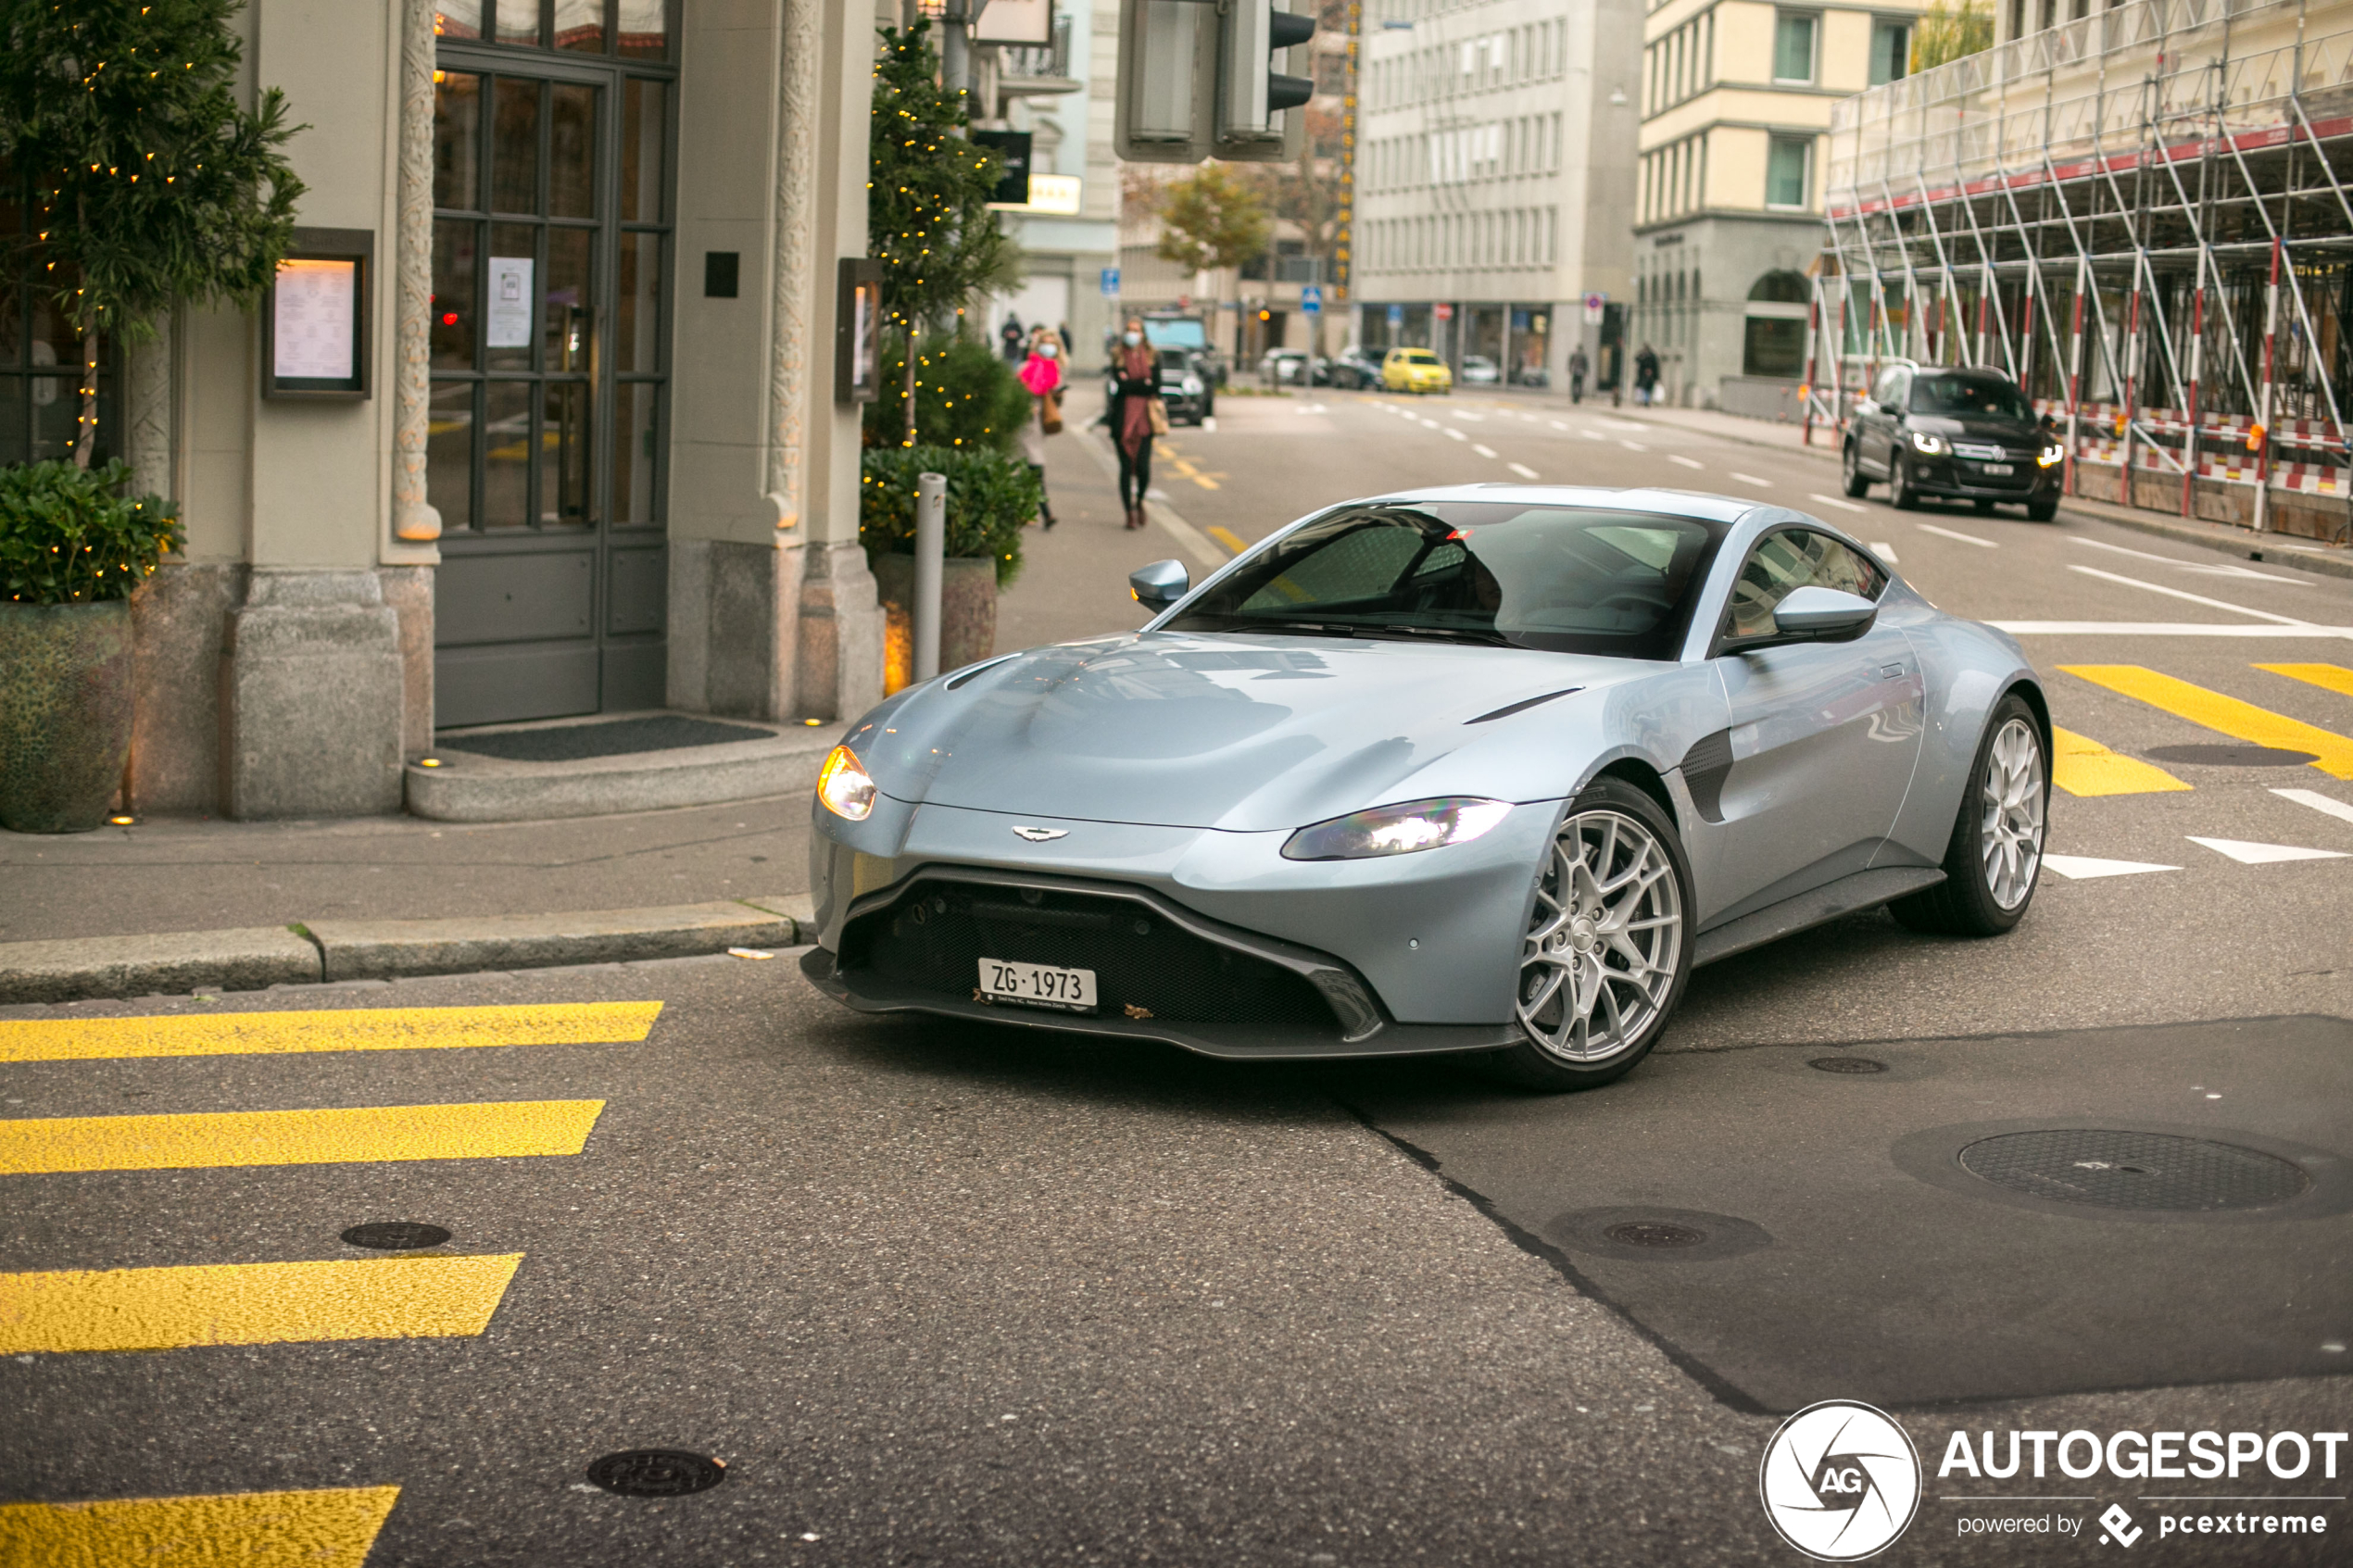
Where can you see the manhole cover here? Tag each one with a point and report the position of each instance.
(657, 1473)
(2107, 1169)
(2230, 755)
(1653, 1233)
(394, 1235)
(1847, 1064)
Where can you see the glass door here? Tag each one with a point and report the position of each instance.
(549, 367)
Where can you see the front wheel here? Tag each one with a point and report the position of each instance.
(1607, 951)
(1857, 482)
(1995, 855)
(2041, 511)
(1900, 494)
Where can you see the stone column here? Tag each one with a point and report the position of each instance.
(311, 698)
(414, 519)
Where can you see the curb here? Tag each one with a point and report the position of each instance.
(255, 957)
(471, 787)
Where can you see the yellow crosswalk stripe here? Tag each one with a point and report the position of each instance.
(2081, 765)
(45, 1146)
(2240, 720)
(2329, 677)
(331, 1528)
(170, 1309)
(1226, 537)
(350, 1029)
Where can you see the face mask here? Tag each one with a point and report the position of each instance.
(1046, 351)
(1135, 338)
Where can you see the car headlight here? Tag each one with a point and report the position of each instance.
(844, 786)
(1191, 386)
(1397, 830)
(2054, 453)
(1930, 446)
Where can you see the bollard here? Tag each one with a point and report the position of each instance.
(931, 544)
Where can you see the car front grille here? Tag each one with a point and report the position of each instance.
(932, 937)
(1976, 452)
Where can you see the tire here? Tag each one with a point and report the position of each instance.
(2041, 511)
(1573, 1042)
(1996, 857)
(1984, 508)
(1900, 494)
(1857, 482)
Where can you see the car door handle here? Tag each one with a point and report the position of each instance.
(1892, 672)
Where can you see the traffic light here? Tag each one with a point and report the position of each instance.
(1197, 81)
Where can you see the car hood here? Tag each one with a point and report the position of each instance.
(1248, 734)
(2013, 433)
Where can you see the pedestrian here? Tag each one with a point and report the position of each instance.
(1645, 376)
(1577, 366)
(1013, 338)
(1064, 333)
(1135, 414)
(1041, 373)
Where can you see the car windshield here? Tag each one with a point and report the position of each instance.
(1419, 357)
(1561, 579)
(1986, 396)
(1175, 335)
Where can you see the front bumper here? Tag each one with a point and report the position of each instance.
(1960, 480)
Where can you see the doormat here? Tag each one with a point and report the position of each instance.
(614, 737)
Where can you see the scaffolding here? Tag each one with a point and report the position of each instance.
(2143, 216)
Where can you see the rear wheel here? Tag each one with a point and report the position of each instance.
(1995, 854)
(1857, 482)
(1606, 952)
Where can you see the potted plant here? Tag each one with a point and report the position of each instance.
(72, 548)
(992, 498)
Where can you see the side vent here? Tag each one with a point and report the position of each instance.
(1704, 769)
(1524, 705)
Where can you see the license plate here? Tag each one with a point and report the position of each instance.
(1038, 984)
(1997, 470)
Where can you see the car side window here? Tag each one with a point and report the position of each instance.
(1890, 388)
(1786, 561)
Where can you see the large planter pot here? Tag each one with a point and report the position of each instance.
(967, 614)
(65, 713)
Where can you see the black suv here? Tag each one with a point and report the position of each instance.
(1964, 434)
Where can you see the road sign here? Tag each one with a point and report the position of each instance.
(1111, 281)
(1444, 311)
(1396, 317)
(1594, 303)
(1311, 299)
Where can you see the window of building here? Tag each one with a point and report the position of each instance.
(1793, 46)
(1891, 52)
(1785, 171)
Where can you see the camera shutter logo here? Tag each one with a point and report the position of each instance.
(1839, 1481)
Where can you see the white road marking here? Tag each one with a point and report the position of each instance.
(1557, 424)
(2248, 854)
(2163, 629)
(1430, 424)
(1592, 435)
(1625, 424)
(1209, 423)
(2083, 868)
(1687, 462)
(1456, 435)
(2194, 598)
(1633, 445)
(2216, 569)
(2318, 801)
(1312, 409)
(1964, 538)
(1834, 501)
(1751, 479)
(1466, 414)
(1482, 451)
(1885, 552)
(1526, 473)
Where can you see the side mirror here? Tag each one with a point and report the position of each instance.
(1824, 615)
(1163, 584)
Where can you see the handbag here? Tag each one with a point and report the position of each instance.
(1158, 408)
(1049, 413)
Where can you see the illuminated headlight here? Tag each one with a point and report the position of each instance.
(1397, 830)
(2054, 453)
(1930, 446)
(1192, 386)
(844, 786)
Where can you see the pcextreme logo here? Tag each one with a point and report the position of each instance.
(1841, 1481)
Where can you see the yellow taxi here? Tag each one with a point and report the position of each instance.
(1415, 369)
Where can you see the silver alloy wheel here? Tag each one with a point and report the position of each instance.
(1603, 941)
(2010, 835)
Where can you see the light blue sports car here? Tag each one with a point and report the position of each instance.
(1482, 768)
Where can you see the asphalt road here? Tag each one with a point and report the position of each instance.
(946, 1294)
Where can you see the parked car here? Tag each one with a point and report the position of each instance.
(1415, 369)
(1480, 370)
(1958, 434)
(1182, 328)
(1485, 768)
(1185, 387)
(1284, 367)
(1352, 367)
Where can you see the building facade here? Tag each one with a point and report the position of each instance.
(1495, 168)
(2141, 213)
(1736, 97)
(1064, 94)
(595, 463)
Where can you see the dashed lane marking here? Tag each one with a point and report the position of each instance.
(1592, 435)
(1484, 451)
(1964, 538)
(1687, 462)
(1522, 470)
(2216, 569)
(1557, 424)
(1835, 501)
(1452, 433)
(330, 1528)
(2328, 677)
(2318, 802)
(2081, 766)
(2248, 854)
(204, 1140)
(2165, 629)
(1226, 537)
(350, 1029)
(2240, 720)
(1633, 445)
(1751, 479)
(2192, 598)
(1884, 550)
(2087, 868)
(172, 1309)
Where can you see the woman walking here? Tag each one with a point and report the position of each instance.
(1135, 394)
(1042, 374)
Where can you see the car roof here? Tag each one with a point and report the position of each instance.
(1666, 503)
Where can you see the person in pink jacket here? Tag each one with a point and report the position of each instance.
(1041, 373)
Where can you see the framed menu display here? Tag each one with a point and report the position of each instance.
(317, 323)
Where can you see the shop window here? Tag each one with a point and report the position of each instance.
(41, 354)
